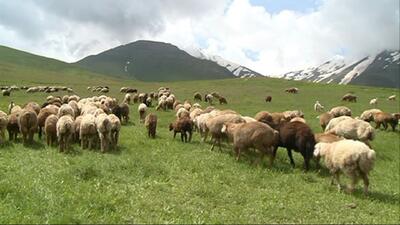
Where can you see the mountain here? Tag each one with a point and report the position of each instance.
(381, 70)
(236, 69)
(153, 61)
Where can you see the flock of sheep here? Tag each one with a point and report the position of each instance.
(95, 122)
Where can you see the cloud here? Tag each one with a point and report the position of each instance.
(270, 43)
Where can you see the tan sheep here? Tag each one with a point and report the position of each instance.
(326, 138)
(27, 123)
(103, 125)
(354, 129)
(298, 119)
(340, 111)
(151, 125)
(215, 124)
(12, 126)
(385, 119)
(42, 116)
(33, 106)
(3, 126)
(353, 158)
(334, 121)
(88, 131)
(115, 129)
(368, 115)
(142, 109)
(64, 110)
(50, 129)
(77, 125)
(65, 132)
(182, 112)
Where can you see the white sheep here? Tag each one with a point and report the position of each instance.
(103, 125)
(368, 115)
(354, 129)
(65, 131)
(142, 108)
(340, 111)
(66, 109)
(353, 158)
(333, 122)
(318, 107)
(392, 98)
(88, 131)
(374, 102)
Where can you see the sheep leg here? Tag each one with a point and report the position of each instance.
(40, 132)
(190, 136)
(336, 179)
(366, 182)
(174, 134)
(48, 140)
(116, 139)
(385, 126)
(213, 144)
(83, 142)
(10, 136)
(237, 150)
(351, 187)
(289, 151)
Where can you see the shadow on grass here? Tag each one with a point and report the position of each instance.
(34, 145)
(378, 196)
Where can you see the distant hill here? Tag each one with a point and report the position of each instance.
(153, 61)
(381, 70)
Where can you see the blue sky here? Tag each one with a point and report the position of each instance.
(275, 6)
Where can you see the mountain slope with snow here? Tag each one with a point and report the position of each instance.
(382, 70)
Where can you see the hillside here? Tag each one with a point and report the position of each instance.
(381, 70)
(153, 61)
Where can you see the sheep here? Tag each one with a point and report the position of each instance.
(33, 106)
(368, 115)
(298, 119)
(288, 115)
(27, 123)
(326, 138)
(318, 107)
(195, 106)
(385, 119)
(42, 116)
(292, 90)
(12, 126)
(75, 107)
(127, 98)
(65, 131)
(124, 112)
(151, 125)
(87, 131)
(3, 126)
(353, 158)
(349, 97)
(263, 116)
(273, 119)
(197, 96)
(148, 101)
(187, 105)
(170, 102)
(248, 119)
(195, 112)
(103, 125)
(354, 129)
(340, 111)
(50, 129)
(334, 121)
(299, 137)
(391, 98)
(252, 135)
(66, 109)
(268, 98)
(374, 102)
(142, 97)
(183, 126)
(142, 108)
(182, 112)
(135, 98)
(222, 100)
(6, 92)
(209, 98)
(214, 126)
(123, 89)
(162, 104)
(12, 108)
(115, 129)
(77, 125)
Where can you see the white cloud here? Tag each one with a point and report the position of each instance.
(288, 40)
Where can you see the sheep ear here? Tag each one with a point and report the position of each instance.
(223, 130)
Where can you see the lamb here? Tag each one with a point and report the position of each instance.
(222, 100)
(385, 119)
(340, 111)
(368, 115)
(391, 98)
(354, 129)
(3, 126)
(12, 126)
(318, 107)
(299, 137)
(115, 129)
(65, 131)
(50, 129)
(353, 158)
(27, 123)
(252, 135)
(183, 126)
(268, 98)
(151, 125)
(142, 108)
(87, 131)
(42, 116)
(197, 96)
(215, 124)
(66, 109)
(374, 102)
(103, 125)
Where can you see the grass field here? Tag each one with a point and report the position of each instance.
(166, 181)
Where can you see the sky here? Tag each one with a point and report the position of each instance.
(268, 36)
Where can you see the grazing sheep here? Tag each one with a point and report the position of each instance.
(148, 101)
(374, 102)
(318, 107)
(324, 119)
(268, 98)
(248, 119)
(349, 98)
(151, 125)
(12, 126)
(88, 131)
(334, 121)
(3, 126)
(385, 119)
(299, 137)
(292, 90)
(50, 129)
(77, 125)
(354, 129)
(353, 158)
(6, 92)
(288, 115)
(66, 109)
(252, 135)
(209, 98)
(326, 138)
(103, 125)
(42, 116)
(340, 111)
(214, 126)
(162, 104)
(27, 123)
(263, 116)
(65, 131)
(182, 112)
(33, 106)
(127, 98)
(183, 126)
(115, 129)
(142, 109)
(222, 100)
(368, 115)
(272, 119)
(197, 96)
(392, 98)
(124, 112)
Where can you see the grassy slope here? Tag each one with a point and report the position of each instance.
(166, 181)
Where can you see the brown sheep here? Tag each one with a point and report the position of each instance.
(151, 125)
(214, 126)
(50, 129)
(222, 100)
(3, 126)
(12, 126)
(268, 98)
(32, 106)
(183, 126)
(349, 98)
(263, 116)
(65, 132)
(324, 119)
(385, 119)
(42, 116)
(292, 90)
(197, 96)
(28, 123)
(299, 137)
(252, 135)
